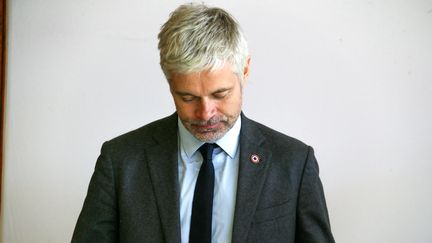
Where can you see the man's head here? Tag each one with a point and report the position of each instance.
(204, 57)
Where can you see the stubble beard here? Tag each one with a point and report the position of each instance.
(222, 124)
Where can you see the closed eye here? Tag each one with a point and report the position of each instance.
(220, 94)
(188, 98)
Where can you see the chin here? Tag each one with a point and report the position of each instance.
(209, 136)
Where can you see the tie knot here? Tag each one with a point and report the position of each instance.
(206, 151)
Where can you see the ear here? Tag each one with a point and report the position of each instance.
(246, 70)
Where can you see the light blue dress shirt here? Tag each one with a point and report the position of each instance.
(226, 163)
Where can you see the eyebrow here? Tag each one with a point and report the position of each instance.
(221, 90)
(183, 93)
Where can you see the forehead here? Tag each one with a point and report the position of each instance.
(206, 79)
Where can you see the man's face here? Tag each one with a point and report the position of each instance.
(209, 102)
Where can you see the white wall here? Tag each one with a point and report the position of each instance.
(351, 78)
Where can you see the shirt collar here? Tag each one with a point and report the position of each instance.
(229, 142)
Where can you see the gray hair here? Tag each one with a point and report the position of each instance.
(197, 38)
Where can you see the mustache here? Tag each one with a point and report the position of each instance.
(209, 122)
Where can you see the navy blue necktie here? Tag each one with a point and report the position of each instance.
(202, 206)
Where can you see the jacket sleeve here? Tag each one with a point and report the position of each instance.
(313, 224)
(97, 221)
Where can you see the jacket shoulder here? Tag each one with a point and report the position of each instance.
(147, 134)
(277, 138)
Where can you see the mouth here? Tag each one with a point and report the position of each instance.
(206, 127)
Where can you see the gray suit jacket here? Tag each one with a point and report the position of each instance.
(134, 192)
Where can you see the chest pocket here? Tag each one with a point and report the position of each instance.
(274, 224)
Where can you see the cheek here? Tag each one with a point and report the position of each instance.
(230, 107)
(184, 110)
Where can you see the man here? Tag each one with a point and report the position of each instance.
(207, 173)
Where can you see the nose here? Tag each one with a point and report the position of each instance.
(206, 109)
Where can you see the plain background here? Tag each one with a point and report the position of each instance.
(351, 78)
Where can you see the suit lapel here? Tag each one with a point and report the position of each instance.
(162, 162)
(250, 179)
